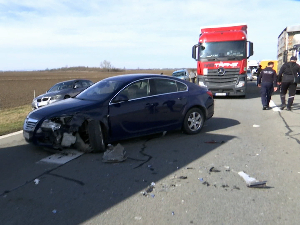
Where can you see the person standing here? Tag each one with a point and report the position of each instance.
(267, 81)
(258, 73)
(192, 76)
(287, 79)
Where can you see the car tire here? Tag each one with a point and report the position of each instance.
(193, 121)
(96, 140)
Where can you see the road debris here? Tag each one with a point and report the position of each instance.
(255, 125)
(149, 190)
(36, 181)
(206, 183)
(213, 169)
(235, 187)
(114, 154)
(251, 181)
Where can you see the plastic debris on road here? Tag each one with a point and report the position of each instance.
(149, 190)
(36, 181)
(255, 125)
(114, 154)
(251, 181)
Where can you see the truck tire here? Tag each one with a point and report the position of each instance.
(193, 121)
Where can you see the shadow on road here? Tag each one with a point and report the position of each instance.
(86, 187)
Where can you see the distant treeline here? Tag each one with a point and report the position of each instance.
(85, 68)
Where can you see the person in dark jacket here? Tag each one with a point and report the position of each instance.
(286, 75)
(267, 81)
(259, 69)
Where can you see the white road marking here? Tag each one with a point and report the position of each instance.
(62, 157)
(274, 107)
(12, 134)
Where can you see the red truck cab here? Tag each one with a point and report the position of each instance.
(221, 55)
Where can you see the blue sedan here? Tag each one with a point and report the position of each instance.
(118, 108)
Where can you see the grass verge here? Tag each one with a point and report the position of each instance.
(12, 119)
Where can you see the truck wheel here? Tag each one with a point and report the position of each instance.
(193, 121)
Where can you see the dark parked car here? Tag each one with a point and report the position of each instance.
(117, 108)
(60, 91)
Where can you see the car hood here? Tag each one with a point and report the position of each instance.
(53, 93)
(67, 106)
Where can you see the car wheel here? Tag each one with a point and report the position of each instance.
(193, 121)
(96, 141)
(67, 96)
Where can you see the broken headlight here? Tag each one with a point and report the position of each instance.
(48, 124)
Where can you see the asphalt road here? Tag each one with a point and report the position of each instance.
(240, 137)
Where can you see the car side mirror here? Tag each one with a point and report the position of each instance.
(120, 98)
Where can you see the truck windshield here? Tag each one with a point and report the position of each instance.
(226, 49)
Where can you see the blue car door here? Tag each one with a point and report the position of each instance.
(136, 114)
(170, 98)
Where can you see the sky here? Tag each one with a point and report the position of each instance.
(131, 34)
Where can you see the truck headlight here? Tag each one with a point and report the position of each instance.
(201, 83)
(241, 84)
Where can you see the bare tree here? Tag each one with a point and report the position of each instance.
(105, 65)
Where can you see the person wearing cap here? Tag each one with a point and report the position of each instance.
(267, 81)
(286, 75)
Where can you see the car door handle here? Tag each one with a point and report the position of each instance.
(152, 104)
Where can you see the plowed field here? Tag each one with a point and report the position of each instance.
(19, 88)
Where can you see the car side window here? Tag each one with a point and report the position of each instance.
(163, 86)
(138, 89)
(78, 84)
(181, 86)
(85, 83)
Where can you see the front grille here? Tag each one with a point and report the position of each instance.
(230, 77)
(44, 99)
(29, 124)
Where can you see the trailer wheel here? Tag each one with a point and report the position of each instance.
(193, 121)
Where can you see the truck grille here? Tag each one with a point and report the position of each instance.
(29, 124)
(230, 77)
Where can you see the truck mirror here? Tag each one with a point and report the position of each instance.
(194, 52)
(250, 47)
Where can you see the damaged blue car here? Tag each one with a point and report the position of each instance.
(117, 108)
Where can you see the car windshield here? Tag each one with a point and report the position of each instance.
(178, 74)
(213, 50)
(101, 90)
(61, 86)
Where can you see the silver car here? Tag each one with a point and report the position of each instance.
(60, 91)
(181, 74)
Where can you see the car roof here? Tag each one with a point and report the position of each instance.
(180, 70)
(132, 77)
(72, 80)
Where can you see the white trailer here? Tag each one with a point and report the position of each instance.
(288, 45)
